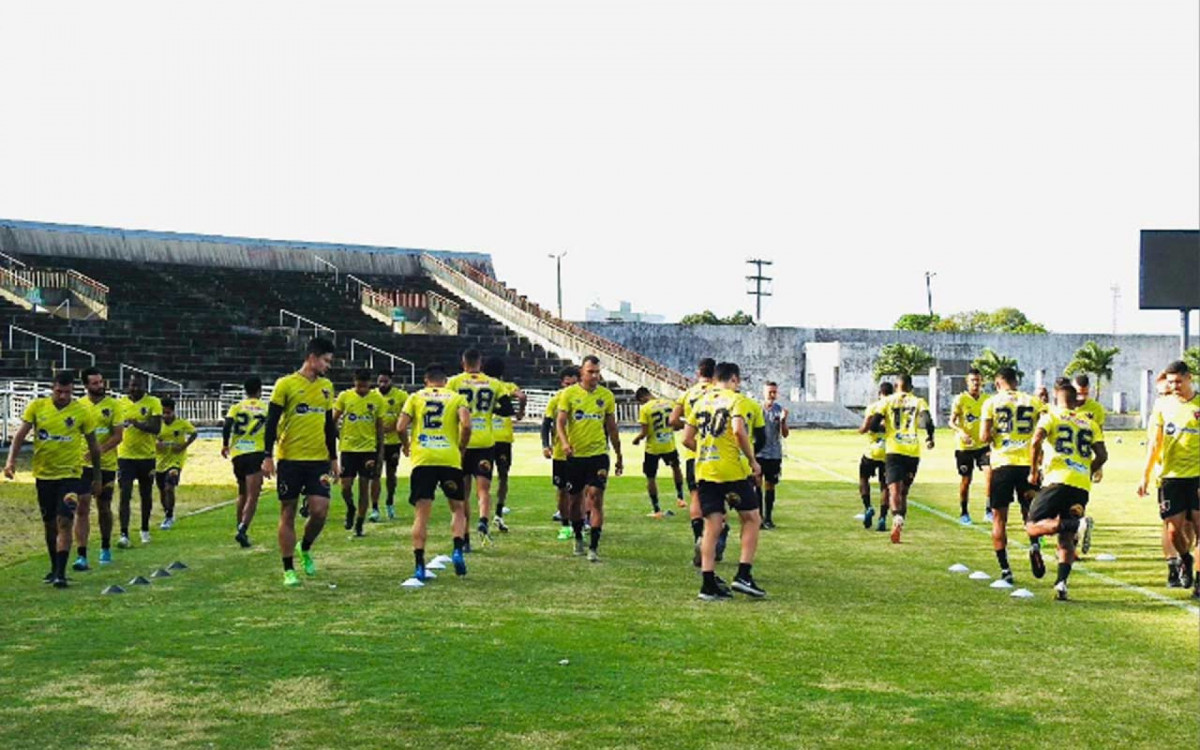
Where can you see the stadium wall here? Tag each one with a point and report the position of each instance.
(31, 238)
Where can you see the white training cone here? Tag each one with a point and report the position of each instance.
(429, 574)
(1022, 594)
(979, 575)
(1106, 557)
(412, 583)
(958, 568)
(859, 517)
(440, 559)
(435, 565)
(1000, 583)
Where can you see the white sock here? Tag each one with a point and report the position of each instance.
(897, 520)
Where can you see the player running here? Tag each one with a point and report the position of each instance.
(872, 462)
(717, 430)
(902, 415)
(242, 441)
(106, 412)
(586, 425)
(654, 415)
(1076, 453)
(482, 394)
(1084, 403)
(358, 412)
(141, 417)
(502, 430)
(1009, 419)
(175, 437)
(1173, 443)
(683, 406)
(553, 450)
(62, 425)
(441, 430)
(770, 457)
(395, 398)
(301, 414)
(971, 452)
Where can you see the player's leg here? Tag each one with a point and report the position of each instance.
(677, 475)
(650, 471)
(864, 491)
(885, 504)
(575, 502)
(240, 503)
(174, 476)
(64, 522)
(1175, 525)
(771, 476)
(391, 462)
(349, 472)
(83, 526)
(104, 514)
(287, 539)
(483, 491)
(454, 488)
(712, 500)
(145, 481)
(966, 472)
(751, 523)
(694, 513)
(48, 509)
(503, 460)
(318, 510)
(595, 494)
(420, 527)
(126, 472)
(365, 480)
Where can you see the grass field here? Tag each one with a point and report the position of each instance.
(860, 644)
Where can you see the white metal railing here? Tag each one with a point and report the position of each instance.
(321, 260)
(231, 393)
(536, 401)
(11, 261)
(201, 411)
(15, 283)
(38, 338)
(392, 358)
(150, 378)
(316, 327)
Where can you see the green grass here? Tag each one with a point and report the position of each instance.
(861, 643)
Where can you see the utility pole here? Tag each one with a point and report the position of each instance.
(1116, 300)
(558, 263)
(929, 291)
(759, 280)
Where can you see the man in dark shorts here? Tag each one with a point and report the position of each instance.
(242, 441)
(654, 416)
(903, 414)
(137, 455)
(502, 431)
(358, 412)
(971, 453)
(770, 457)
(395, 398)
(872, 462)
(106, 412)
(553, 450)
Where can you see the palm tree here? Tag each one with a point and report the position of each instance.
(989, 363)
(1192, 357)
(1095, 359)
(902, 359)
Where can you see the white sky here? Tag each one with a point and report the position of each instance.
(660, 144)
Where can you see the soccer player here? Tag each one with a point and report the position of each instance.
(141, 417)
(1077, 453)
(586, 425)
(553, 450)
(106, 412)
(391, 443)
(1085, 404)
(441, 424)
(175, 437)
(502, 429)
(482, 394)
(872, 462)
(705, 369)
(301, 414)
(62, 424)
(654, 415)
(1173, 442)
(1009, 419)
(902, 414)
(971, 452)
(770, 457)
(358, 412)
(242, 440)
(717, 430)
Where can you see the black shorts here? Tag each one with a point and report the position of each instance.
(308, 478)
(425, 481)
(968, 461)
(869, 467)
(247, 465)
(168, 478)
(363, 464)
(477, 462)
(591, 471)
(1058, 501)
(141, 469)
(558, 474)
(715, 496)
(503, 456)
(107, 479)
(689, 474)
(391, 456)
(1177, 495)
(650, 462)
(1009, 482)
(898, 468)
(57, 497)
(772, 469)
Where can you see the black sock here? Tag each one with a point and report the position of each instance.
(678, 490)
(565, 521)
(866, 500)
(697, 527)
(358, 525)
(962, 506)
(83, 551)
(654, 501)
(483, 521)
(744, 570)
(459, 542)
(348, 498)
(419, 554)
(52, 548)
(770, 502)
(61, 563)
(242, 528)
(499, 508)
(289, 563)
(306, 544)
(1064, 570)
(595, 538)
(577, 526)
(710, 579)
(1002, 558)
(466, 539)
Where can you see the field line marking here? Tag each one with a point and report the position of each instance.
(1081, 567)
(206, 509)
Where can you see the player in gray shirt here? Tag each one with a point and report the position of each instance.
(771, 455)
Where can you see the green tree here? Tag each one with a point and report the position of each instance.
(989, 363)
(1192, 357)
(916, 322)
(739, 318)
(1003, 320)
(709, 318)
(902, 359)
(1095, 359)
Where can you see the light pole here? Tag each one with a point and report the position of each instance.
(929, 291)
(558, 264)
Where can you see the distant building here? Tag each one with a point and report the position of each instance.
(623, 314)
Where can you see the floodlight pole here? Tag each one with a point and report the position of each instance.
(929, 291)
(757, 292)
(558, 264)
(1183, 330)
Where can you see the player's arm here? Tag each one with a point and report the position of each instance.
(547, 430)
(114, 439)
(925, 419)
(331, 438)
(379, 441)
(783, 425)
(274, 414)
(464, 427)
(402, 430)
(10, 468)
(226, 433)
(94, 454)
(956, 421)
(1035, 455)
(676, 420)
(522, 400)
(152, 425)
(642, 434)
(614, 437)
(743, 439)
(191, 438)
(985, 429)
(560, 424)
(689, 437)
(1154, 446)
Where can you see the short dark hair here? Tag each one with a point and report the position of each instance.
(886, 389)
(253, 385)
(471, 357)
(772, 384)
(319, 347)
(974, 371)
(640, 392)
(383, 371)
(64, 377)
(1081, 379)
(493, 367)
(1065, 384)
(727, 370)
(905, 381)
(435, 371)
(90, 372)
(570, 371)
(167, 402)
(1008, 375)
(706, 367)
(1178, 367)
(591, 359)
(362, 375)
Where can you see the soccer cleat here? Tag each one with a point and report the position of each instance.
(1186, 575)
(564, 533)
(391, 512)
(580, 549)
(696, 554)
(1036, 563)
(748, 587)
(680, 502)
(868, 516)
(965, 519)
(421, 574)
(987, 517)
(769, 525)
(658, 514)
(714, 594)
(290, 579)
(59, 583)
(501, 525)
(460, 564)
(592, 556)
(374, 517)
(349, 519)
(123, 542)
(106, 557)
(557, 517)
(167, 524)
(483, 529)
(310, 565)
(48, 578)
(1006, 575)
(1060, 591)
(81, 564)
(145, 537)
(1173, 575)
(242, 540)
(882, 525)
(669, 513)
(896, 533)
(359, 533)
(1085, 534)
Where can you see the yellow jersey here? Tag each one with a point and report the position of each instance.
(1014, 417)
(175, 435)
(655, 416)
(556, 448)
(359, 416)
(57, 435)
(502, 427)
(136, 444)
(1070, 437)
(106, 416)
(249, 417)
(755, 420)
(1179, 421)
(876, 449)
(968, 409)
(434, 427)
(901, 423)
(480, 392)
(1093, 409)
(302, 427)
(688, 400)
(718, 455)
(586, 412)
(395, 398)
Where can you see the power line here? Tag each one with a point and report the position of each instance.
(759, 280)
